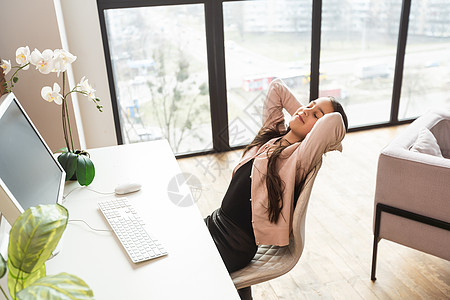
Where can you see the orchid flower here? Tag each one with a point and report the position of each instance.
(61, 60)
(43, 61)
(23, 57)
(6, 66)
(46, 62)
(50, 94)
(86, 88)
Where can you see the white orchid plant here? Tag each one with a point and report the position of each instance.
(74, 162)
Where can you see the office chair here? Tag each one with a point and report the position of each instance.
(273, 261)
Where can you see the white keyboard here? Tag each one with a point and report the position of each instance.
(128, 227)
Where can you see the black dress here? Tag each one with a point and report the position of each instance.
(231, 224)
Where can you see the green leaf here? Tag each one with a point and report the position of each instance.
(85, 170)
(15, 79)
(68, 161)
(18, 280)
(57, 287)
(2, 266)
(32, 239)
(63, 150)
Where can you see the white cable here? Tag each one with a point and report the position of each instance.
(103, 193)
(80, 187)
(89, 225)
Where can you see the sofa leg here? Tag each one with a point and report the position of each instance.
(245, 293)
(374, 258)
(376, 239)
(403, 214)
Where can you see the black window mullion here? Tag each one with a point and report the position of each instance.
(216, 73)
(400, 59)
(315, 49)
(109, 69)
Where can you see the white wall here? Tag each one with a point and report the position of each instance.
(33, 23)
(84, 40)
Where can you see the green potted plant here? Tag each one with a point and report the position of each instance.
(76, 163)
(32, 239)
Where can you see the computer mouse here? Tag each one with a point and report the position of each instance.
(126, 188)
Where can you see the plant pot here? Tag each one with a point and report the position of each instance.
(78, 166)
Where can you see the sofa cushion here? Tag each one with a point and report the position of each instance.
(426, 143)
(441, 132)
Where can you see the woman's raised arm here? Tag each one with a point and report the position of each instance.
(326, 135)
(278, 97)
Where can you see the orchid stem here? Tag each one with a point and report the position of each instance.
(14, 75)
(67, 116)
(64, 124)
(68, 123)
(63, 111)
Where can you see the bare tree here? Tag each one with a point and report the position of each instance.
(413, 88)
(176, 105)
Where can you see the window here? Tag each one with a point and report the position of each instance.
(427, 65)
(263, 40)
(359, 44)
(196, 71)
(159, 64)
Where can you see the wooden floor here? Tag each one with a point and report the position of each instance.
(336, 260)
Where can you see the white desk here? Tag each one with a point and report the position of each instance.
(192, 270)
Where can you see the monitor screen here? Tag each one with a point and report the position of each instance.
(29, 173)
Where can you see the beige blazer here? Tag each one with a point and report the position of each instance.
(293, 164)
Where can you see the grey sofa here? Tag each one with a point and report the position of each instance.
(412, 195)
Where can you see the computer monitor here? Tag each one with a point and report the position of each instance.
(29, 173)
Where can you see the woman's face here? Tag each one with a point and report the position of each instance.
(305, 117)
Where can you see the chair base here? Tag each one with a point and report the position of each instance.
(245, 293)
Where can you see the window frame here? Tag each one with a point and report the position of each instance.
(217, 68)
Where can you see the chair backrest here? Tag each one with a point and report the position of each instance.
(297, 241)
(273, 261)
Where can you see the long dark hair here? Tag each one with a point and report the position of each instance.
(275, 186)
(337, 107)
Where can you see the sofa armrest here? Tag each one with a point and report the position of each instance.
(414, 181)
(417, 183)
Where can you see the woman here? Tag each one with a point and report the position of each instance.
(258, 205)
